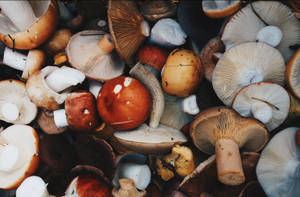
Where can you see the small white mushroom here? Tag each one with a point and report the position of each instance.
(190, 105)
(32, 186)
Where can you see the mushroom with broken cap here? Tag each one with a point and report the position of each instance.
(91, 52)
(15, 105)
(223, 131)
(266, 101)
(292, 74)
(220, 9)
(278, 169)
(265, 21)
(34, 26)
(19, 148)
(244, 64)
(155, 137)
(33, 186)
(127, 27)
(155, 10)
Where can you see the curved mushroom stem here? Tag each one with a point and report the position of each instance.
(145, 29)
(106, 44)
(251, 75)
(14, 59)
(10, 111)
(11, 157)
(261, 111)
(190, 105)
(271, 35)
(33, 186)
(60, 118)
(95, 87)
(153, 85)
(229, 163)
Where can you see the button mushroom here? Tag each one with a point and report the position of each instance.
(292, 73)
(18, 155)
(278, 169)
(220, 9)
(38, 21)
(245, 64)
(224, 131)
(15, 105)
(265, 101)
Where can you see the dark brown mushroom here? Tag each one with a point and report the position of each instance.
(155, 10)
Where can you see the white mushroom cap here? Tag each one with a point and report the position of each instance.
(293, 74)
(245, 25)
(15, 105)
(245, 64)
(278, 169)
(265, 101)
(26, 140)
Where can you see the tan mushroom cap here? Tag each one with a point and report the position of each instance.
(85, 55)
(214, 9)
(267, 94)
(244, 64)
(35, 60)
(13, 91)
(37, 33)
(25, 139)
(292, 74)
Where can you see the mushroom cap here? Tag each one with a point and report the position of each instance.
(13, 91)
(34, 62)
(85, 55)
(59, 41)
(18, 135)
(37, 33)
(273, 94)
(214, 10)
(147, 140)
(245, 64)
(292, 74)
(223, 122)
(125, 22)
(81, 111)
(155, 10)
(245, 25)
(47, 124)
(277, 167)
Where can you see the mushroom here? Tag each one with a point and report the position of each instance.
(155, 138)
(292, 74)
(80, 113)
(38, 21)
(94, 87)
(223, 131)
(50, 86)
(127, 189)
(168, 33)
(182, 73)
(92, 53)
(59, 41)
(245, 64)
(220, 9)
(295, 6)
(46, 122)
(190, 106)
(266, 101)
(265, 21)
(124, 103)
(27, 64)
(279, 165)
(127, 27)
(18, 155)
(15, 105)
(33, 186)
(155, 10)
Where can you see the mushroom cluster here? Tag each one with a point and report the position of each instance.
(149, 98)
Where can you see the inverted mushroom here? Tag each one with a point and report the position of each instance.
(245, 64)
(265, 101)
(267, 21)
(279, 165)
(32, 28)
(292, 74)
(224, 131)
(18, 155)
(220, 9)
(91, 52)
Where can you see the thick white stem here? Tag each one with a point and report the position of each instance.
(271, 35)
(14, 59)
(139, 173)
(64, 78)
(32, 186)
(10, 111)
(190, 105)
(145, 29)
(19, 12)
(95, 87)
(10, 158)
(261, 111)
(60, 118)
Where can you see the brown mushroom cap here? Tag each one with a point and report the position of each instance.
(13, 91)
(38, 32)
(155, 10)
(214, 9)
(59, 41)
(47, 124)
(292, 74)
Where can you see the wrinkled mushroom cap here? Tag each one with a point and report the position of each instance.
(13, 91)
(222, 122)
(245, 64)
(293, 74)
(273, 94)
(214, 10)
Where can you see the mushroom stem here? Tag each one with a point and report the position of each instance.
(10, 111)
(271, 35)
(229, 164)
(14, 59)
(12, 8)
(60, 118)
(64, 78)
(261, 111)
(153, 85)
(145, 29)
(95, 87)
(106, 44)
(33, 186)
(3, 141)
(10, 158)
(190, 105)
